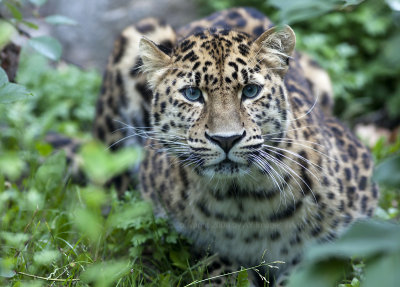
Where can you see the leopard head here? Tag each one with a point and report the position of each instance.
(218, 97)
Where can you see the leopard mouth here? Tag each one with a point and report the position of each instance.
(225, 168)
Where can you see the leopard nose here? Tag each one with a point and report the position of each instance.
(226, 142)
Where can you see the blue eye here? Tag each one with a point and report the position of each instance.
(251, 91)
(192, 94)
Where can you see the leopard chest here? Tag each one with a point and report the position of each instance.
(242, 226)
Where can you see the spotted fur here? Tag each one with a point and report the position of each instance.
(237, 175)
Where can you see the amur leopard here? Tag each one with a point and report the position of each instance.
(242, 152)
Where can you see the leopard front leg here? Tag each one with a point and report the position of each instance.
(222, 272)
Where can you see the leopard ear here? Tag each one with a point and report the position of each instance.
(278, 44)
(155, 61)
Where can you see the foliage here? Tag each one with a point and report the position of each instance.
(10, 92)
(64, 98)
(47, 46)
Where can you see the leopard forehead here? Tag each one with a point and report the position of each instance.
(215, 51)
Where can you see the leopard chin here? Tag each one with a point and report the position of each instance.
(224, 169)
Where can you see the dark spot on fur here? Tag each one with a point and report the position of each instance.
(145, 28)
(120, 47)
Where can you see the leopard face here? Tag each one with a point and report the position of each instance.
(219, 97)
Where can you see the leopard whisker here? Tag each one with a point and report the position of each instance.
(289, 130)
(305, 146)
(277, 163)
(296, 162)
(294, 140)
(261, 164)
(309, 188)
(291, 171)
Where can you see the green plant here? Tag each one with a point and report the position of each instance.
(13, 19)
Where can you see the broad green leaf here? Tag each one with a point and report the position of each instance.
(50, 174)
(101, 165)
(46, 257)
(133, 214)
(327, 273)
(298, 10)
(138, 238)
(105, 273)
(38, 2)
(242, 279)
(7, 31)
(364, 238)
(3, 77)
(387, 173)
(16, 240)
(179, 258)
(44, 149)
(94, 197)
(10, 92)
(47, 46)
(6, 267)
(33, 200)
(383, 271)
(165, 280)
(14, 11)
(89, 223)
(60, 20)
(11, 165)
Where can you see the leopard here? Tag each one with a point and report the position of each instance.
(242, 153)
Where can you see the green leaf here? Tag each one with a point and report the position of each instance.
(133, 214)
(165, 280)
(14, 11)
(352, 2)
(387, 173)
(16, 240)
(46, 257)
(105, 273)
(242, 279)
(10, 92)
(47, 46)
(326, 273)
(11, 164)
(101, 165)
(50, 175)
(89, 223)
(298, 10)
(38, 2)
(30, 25)
(3, 77)
(179, 258)
(6, 268)
(60, 20)
(364, 238)
(325, 264)
(384, 271)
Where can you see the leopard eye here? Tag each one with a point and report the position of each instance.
(192, 94)
(251, 91)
